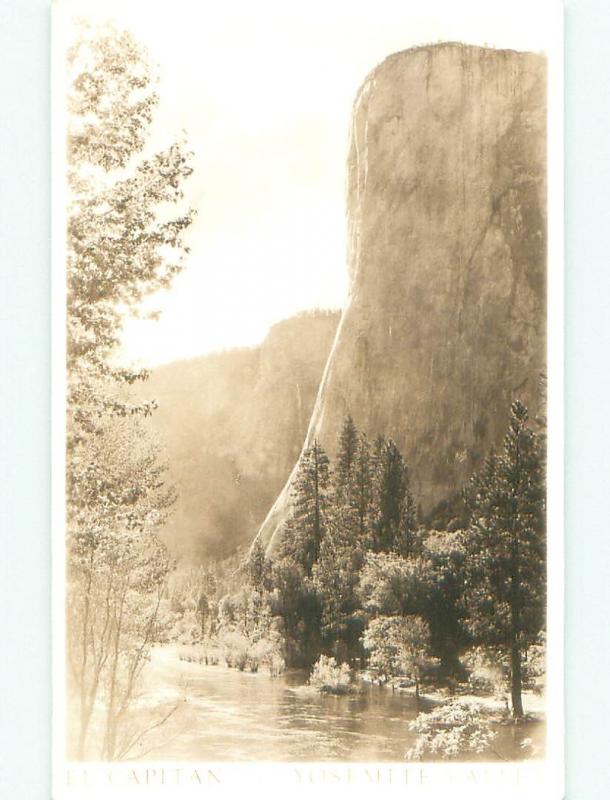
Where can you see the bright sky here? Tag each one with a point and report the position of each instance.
(264, 91)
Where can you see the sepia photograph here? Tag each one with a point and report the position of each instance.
(307, 437)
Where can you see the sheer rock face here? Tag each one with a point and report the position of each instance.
(232, 425)
(446, 320)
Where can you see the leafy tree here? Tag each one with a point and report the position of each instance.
(506, 567)
(449, 515)
(429, 585)
(123, 243)
(120, 248)
(116, 576)
(295, 601)
(445, 556)
(393, 585)
(399, 646)
(246, 611)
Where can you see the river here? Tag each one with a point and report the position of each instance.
(223, 714)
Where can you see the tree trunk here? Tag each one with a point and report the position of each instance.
(85, 712)
(82, 736)
(450, 665)
(515, 679)
(515, 648)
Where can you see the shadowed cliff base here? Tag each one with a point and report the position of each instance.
(446, 204)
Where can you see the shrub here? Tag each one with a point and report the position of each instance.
(235, 649)
(276, 665)
(267, 651)
(193, 655)
(329, 677)
(453, 730)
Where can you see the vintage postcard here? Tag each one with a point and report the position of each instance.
(307, 401)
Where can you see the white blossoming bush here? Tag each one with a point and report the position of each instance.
(329, 677)
(455, 729)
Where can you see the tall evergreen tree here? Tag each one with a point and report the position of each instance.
(395, 515)
(389, 485)
(506, 566)
(346, 458)
(407, 543)
(362, 488)
(336, 575)
(258, 567)
(353, 480)
(307, 523)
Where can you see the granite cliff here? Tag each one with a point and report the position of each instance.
(446, 205)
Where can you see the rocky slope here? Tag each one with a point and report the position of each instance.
(231, 426)
(446, 204)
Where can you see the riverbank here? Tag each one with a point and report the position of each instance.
(218, 713)
(211, 654)
(534, 703)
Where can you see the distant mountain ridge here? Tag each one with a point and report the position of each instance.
(231, 425)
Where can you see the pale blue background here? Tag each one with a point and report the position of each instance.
(24, 398)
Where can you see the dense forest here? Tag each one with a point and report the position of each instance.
(360, 578)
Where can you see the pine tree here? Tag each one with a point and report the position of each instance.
(407, 543)
(335, 573)
(506, 566)
(362, 491)
(347, 452)
(308, 519)
(336, 576)
(395, 514)
(353, 478)
(258, 567)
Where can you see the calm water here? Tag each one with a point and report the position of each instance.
(223, 714)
